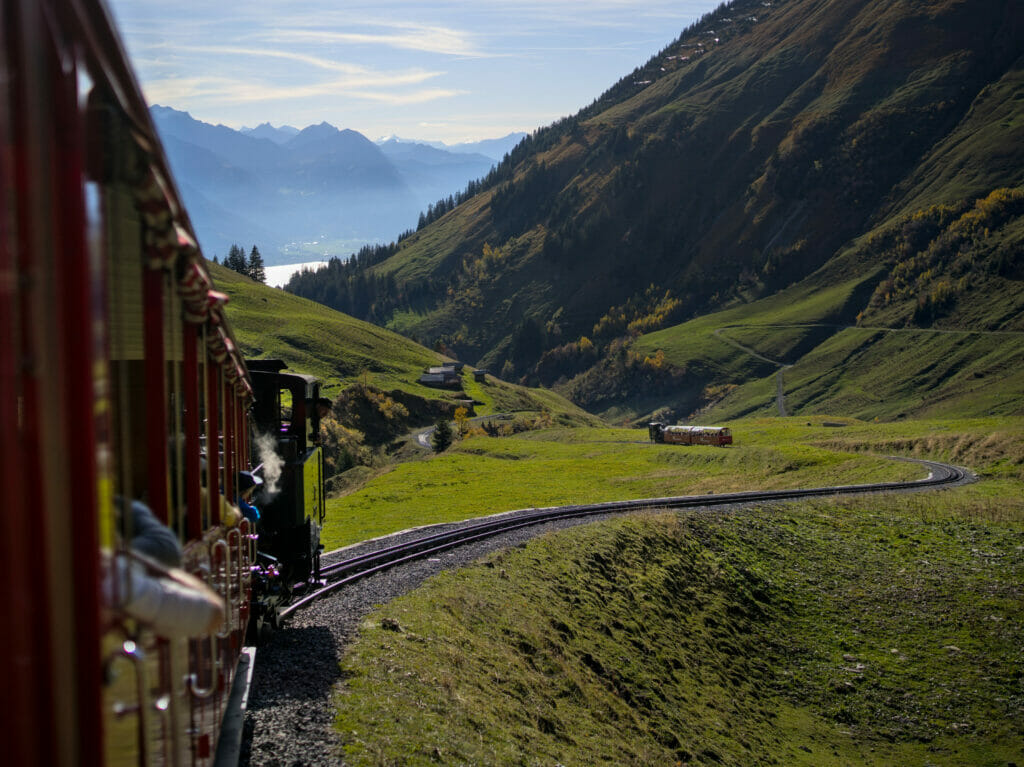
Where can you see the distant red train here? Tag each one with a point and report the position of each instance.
(120, 384)
(689, 435)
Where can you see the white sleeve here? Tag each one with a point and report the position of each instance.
(169, 608)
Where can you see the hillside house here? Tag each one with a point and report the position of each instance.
(442, 376)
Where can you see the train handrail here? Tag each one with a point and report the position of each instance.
(192, 678)
(222, 545)
(234, 541)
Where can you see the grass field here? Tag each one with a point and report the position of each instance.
(793, 314)
(958, 369)
(485, 475)
(881, 630)
(318, 341)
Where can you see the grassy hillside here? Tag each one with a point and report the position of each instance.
(761, 637)
(822, 144)
(874, 631)
(319, 341)
(933, 327)
(886, 374)
(341, 351)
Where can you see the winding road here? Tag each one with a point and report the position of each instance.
(423, 437)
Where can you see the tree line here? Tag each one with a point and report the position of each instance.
(252, 267)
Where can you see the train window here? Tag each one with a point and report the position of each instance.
(286, 408)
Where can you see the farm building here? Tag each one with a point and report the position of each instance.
(444, 376)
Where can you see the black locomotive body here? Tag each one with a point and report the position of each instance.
(285, 425)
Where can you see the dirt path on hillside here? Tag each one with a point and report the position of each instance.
(780, 390)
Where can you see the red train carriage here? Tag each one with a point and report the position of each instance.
(690, 435)
(119, 382)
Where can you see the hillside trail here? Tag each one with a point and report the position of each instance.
(780, 392)
(780, 396)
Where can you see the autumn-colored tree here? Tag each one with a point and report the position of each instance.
(462, 421)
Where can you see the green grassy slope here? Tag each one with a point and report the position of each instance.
(876, 631)
(814, 306)
(341, 350)
(558, 466)
(886, 374)
(319, 341)
(938, 327)
(762, 637)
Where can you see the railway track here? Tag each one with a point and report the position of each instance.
(337, 575)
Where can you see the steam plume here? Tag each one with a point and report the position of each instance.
(272, 464)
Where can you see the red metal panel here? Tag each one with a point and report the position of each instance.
(212, 437)
(24, 643)
(78, 319)
(156, 391)
(190, 374)
(27, 639)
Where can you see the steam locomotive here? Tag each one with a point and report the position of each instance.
(689, 435)
(286, 427)
(121, 385)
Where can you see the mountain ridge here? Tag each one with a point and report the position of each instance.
(279, 188)
(759, 146)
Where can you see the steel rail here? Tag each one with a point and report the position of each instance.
(349, 570)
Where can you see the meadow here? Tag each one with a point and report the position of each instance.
(876, 630)
(557, 466)
(486, 475)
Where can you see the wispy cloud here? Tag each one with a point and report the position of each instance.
(451, 68)
(178, 90)
(399, 35)
(303, 58)
(406, 99)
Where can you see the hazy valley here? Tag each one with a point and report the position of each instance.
(310, 194)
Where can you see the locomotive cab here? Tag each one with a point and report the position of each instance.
(656, 431)
(285, 443)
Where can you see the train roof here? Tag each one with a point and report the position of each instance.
(159, 198)
(682, 428)
(266, 366)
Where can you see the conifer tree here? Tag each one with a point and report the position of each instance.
(235, 260)
(254, 268)
(442, 437)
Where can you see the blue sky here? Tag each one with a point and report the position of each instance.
(453, 70)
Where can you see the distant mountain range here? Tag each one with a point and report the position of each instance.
(300, 194)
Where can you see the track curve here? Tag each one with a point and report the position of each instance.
(348, 570)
